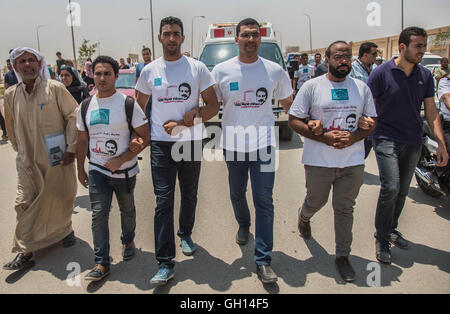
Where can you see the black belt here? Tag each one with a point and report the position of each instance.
(125, 171)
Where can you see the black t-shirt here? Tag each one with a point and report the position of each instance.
(59, 64)
(10, 78)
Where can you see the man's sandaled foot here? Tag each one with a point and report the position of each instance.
(21, 261)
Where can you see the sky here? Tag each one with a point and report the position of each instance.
(115, 24)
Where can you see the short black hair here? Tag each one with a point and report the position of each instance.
(405, 35)
(185, 85)
(262, 89)
(245, 22)
(7, 60)
(303, 55)
(58, 53)
(318, 54)
(106, 59)
(171, 20)
(352, 115)
(366, 47)
(328, 51)
(146, 48)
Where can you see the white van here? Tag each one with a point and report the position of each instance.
(220, 46)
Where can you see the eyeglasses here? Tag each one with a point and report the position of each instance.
(255, 35)
(342, 57)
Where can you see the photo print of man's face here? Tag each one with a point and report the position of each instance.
(351, 122)
(261, 95)
(185, 91)
(111, 147)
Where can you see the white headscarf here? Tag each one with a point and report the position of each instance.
(43, 70)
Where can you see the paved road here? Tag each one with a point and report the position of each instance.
(220, 265)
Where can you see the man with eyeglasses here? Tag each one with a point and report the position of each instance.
(173, 111)
(246, 85)
(361, 69)
(334, 160)
(399, 89)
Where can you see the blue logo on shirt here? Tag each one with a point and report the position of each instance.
(305, 70)
(158, 81)
(339, 94)
(234, 86)
(100, 116)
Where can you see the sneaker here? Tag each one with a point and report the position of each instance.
(97, 273)
(396, 238)
(345, 268)
(163, 275)
(242, 235)
(128, 251)
(305, 229)
(188, 246)
(266, 274)
(383, 251)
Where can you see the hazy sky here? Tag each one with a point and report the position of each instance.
(115, 22)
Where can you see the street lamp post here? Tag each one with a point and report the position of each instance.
(73, 37)
(37, 35)
(403, 16)
(153, 43)
(310, 36)
(192, 35)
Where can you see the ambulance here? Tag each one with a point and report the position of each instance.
(220, 46)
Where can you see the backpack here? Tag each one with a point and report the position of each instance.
(129, 107)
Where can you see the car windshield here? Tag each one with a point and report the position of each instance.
(126, 80)
(426, 61)
(214, 54)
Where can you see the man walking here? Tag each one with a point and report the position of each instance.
(441, 72)
(397, 141)
(104, 130)
(246, 85)
(361, 69)
(334, 159)
(174, 107)
(304, 73)
(147, 56)
(40, 117)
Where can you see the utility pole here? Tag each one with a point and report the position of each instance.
(73, 37)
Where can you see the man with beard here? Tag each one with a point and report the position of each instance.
(334, 159)
(399, 88)
(173, 69)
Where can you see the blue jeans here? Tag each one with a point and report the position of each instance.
(396, 164)
(164, 174)
(101, 189)
(262, 188)
(148, 112)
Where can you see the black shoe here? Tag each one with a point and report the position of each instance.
(266, 274)
(345, 268)
(397, 239)
(69, 240)
(383, 251)
(20, 262)
(97, 273)
(128, 251)
(242, 235)
(305, 229)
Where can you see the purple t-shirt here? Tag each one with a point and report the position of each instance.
(398, 100)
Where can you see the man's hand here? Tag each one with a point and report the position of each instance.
(366, 123)
(442, 156)
(190, 115)
(316, 126)
(332, 137)
(136, 144)
(83, 178)
(67, 159)
(171, 126)
(114, 164)
(345, 140)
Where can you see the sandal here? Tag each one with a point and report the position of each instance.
(69, 240)
(20, 262)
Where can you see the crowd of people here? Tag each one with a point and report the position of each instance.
(334, 110)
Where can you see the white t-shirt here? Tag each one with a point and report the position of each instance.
(175, 87)
(339, 106)
(246, 91)
(444, 88)
(109, 136)
(304, 73)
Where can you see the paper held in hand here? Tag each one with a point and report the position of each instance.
(56, 147)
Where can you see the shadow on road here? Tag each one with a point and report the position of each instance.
(371, 179)
(83, 202)
(294, 143)
(441, 204)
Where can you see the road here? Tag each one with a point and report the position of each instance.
(220, 265)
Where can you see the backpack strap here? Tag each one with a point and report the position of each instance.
(129, 108)
(84, 107)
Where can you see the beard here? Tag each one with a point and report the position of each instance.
(340, 71)
(411, 58)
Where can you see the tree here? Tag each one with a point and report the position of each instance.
(442, 38)
(86, 51)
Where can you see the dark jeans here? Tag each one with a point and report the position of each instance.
(148, 112)
(165, 169)
(2, 124)
(262, 182)
(101, 189)
(396, 164)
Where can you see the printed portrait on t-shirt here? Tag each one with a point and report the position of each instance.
(111, 147)
(351, 122)
(261, 95)
(185, 91)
